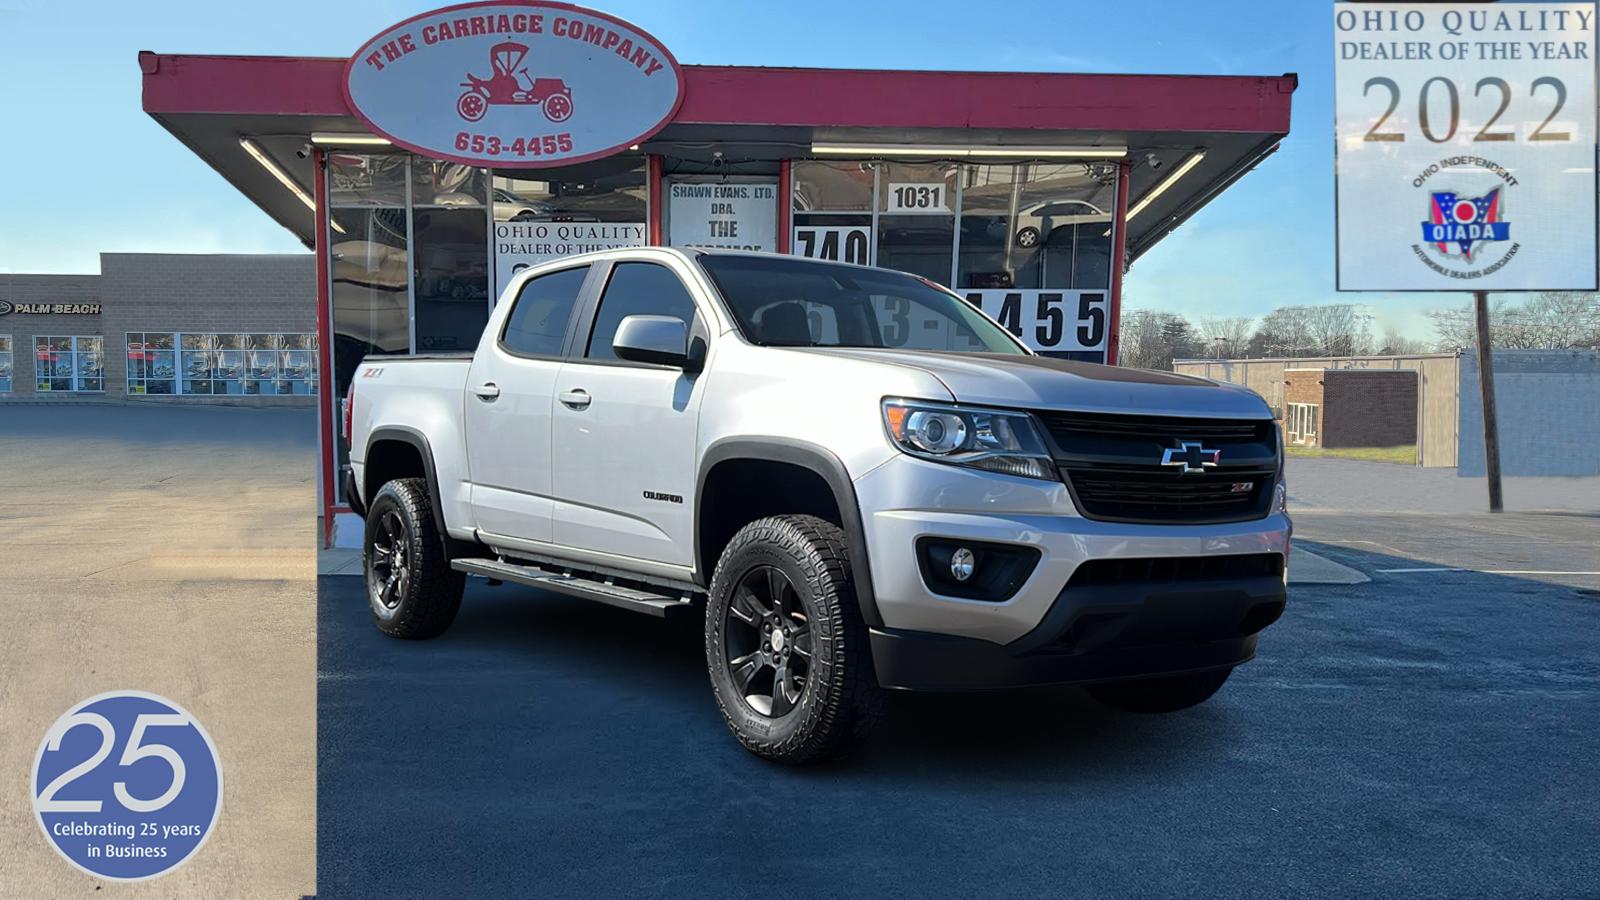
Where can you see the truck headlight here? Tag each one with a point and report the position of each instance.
(991, 439)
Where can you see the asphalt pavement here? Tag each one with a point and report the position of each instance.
(171, 550)
(1428, 733)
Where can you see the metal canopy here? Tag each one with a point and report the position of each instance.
(758, 115)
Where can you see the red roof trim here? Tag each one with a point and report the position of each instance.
(835, 98)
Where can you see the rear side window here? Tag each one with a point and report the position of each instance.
(637, 289)
(538, 322)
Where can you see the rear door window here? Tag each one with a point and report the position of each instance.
(538, 322)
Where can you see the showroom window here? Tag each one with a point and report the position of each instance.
(917, 218)
(152, 363)
(64, 364)
(543, 215)
(449, 255)
(226, 364)
(1039, 225)
(5, 364)
(833, 210)
(1028, 243)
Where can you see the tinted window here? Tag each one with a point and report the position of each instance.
(538, 323)
(637, 289)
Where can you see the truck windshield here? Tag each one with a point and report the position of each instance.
(782, 302)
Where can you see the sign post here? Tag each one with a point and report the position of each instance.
(1491, 425)
(1465, 156)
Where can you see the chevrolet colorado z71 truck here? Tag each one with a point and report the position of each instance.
(865, 482)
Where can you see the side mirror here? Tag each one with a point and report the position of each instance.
(661, 340)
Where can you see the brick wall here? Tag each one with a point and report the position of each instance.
(164, 292)
(1369, 408)
(1302, 386)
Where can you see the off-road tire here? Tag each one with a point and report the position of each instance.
(427, 602)
(841, 701)
(1166, 694)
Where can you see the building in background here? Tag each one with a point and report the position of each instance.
(1548, 404)
(1029, 193)
(1339, 408)
(166, 328)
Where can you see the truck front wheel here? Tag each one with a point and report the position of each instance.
(785, 642)
(411, 589)
(1166, 694)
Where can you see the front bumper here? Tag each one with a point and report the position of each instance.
(1046, 633)
(1094, 634)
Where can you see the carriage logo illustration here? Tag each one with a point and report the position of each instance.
(510, 84)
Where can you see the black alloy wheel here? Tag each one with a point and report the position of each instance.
(767, 643)
(388, 565)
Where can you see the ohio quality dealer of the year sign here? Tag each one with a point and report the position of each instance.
(514, 84)
(1465, 155)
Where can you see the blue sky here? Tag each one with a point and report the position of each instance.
(88, 171)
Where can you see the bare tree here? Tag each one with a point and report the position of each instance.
(1151, 339)
(1552, 320)
(1338, 329)
(1227, 336)
(1396, 344)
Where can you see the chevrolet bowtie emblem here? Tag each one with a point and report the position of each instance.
(1192, 455)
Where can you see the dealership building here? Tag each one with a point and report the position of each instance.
(164, 328)
(462, 145)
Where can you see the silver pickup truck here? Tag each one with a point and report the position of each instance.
(864, 483)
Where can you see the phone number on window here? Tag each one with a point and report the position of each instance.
(494, 145)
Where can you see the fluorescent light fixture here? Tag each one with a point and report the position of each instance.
(342, 139)
(1161, 187)
(970, 152)
(271, 165)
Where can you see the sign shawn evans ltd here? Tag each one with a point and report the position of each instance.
(1465, 154)
(514, 84)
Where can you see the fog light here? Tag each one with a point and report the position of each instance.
(962, 563)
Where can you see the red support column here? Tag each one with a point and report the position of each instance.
(785, 204)
(326, 389)
(653, 187)
(1119, 261)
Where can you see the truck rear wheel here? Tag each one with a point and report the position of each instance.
(785, 643)
(1166, 694)
(411, 589)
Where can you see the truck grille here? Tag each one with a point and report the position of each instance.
(1112, 465)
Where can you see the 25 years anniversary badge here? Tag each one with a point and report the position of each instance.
(127, 785)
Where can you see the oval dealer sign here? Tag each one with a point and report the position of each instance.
(514, 84)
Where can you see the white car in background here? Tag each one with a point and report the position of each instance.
(1037, 221)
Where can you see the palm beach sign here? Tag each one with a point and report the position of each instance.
(514, 84)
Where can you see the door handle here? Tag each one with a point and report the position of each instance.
(487, 391)
(576, 399)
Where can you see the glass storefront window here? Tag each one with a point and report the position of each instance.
(226, 364)
(611, 190)
(362, 179)
(68, 364)
(152, 364)
(438, 183)
(916, 218)
(833, 210)
(5, 363)
(1038, 225)
(450, 262)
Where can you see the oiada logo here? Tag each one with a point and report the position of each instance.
(523, 83)
(1461, 230)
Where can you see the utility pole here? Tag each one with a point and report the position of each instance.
(1491, 427)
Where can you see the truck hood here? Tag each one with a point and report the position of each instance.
(1042, 382)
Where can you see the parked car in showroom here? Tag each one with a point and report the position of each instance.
(851, 505)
